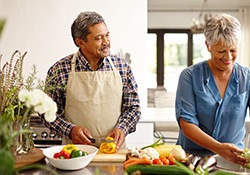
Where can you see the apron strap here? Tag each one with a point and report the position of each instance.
(111, 63)
(116, 72)
(73, 62)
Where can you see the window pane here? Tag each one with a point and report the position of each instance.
(175, 58)
(151, 60)
(200, 52)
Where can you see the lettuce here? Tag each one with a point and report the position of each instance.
(246, 154)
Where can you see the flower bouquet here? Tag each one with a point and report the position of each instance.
(19, 98)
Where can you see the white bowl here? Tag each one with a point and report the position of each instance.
(73, 163)
(227, 166)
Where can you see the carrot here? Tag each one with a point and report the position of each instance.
(130, 160)
(142, 161)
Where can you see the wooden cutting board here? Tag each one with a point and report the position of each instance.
(119, 156)
(34, 156)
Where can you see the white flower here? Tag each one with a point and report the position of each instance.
(41, 102)
(23, 96)
(50, 115)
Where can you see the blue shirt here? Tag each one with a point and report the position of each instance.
(198, 101)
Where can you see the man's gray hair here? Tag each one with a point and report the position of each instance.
(80, 27)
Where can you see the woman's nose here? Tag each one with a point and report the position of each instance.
(228, 55)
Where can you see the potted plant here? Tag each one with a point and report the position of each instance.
(19, 97)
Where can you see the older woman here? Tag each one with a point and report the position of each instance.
(213, 96)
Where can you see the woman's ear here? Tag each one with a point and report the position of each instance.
(208, 46)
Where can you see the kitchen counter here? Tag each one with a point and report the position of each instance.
(111, 168)
(91, 169)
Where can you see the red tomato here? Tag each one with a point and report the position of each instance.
(56, 155)
(164, 160)
(64, 154)
(171, 160)
(157, 161)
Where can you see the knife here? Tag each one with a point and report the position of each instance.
(100, 140)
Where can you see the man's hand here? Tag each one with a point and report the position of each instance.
(118, 136)
(80, 135)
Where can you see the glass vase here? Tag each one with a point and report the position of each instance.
(15, 145)
(26, 140)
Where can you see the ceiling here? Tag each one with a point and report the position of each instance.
(195, 4)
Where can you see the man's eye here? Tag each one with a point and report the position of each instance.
(98, 38)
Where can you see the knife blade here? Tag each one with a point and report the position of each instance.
(100, 140)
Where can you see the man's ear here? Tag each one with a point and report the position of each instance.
(79, 42)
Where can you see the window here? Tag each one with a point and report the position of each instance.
(175, 58)
(169, 51)
(200, 52)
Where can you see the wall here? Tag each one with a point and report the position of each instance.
(42, 27)
(182, 19)
(177, 19)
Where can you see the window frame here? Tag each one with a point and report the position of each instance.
(160, 50)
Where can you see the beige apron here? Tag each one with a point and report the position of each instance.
(93, 100)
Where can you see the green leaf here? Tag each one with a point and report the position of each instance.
(6, 162)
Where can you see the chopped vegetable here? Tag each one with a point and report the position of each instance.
(108, 148)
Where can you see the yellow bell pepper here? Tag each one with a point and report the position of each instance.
(108, 148)
(69, 148)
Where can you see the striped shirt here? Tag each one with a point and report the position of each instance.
(56, 83)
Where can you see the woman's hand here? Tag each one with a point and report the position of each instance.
(231, 153)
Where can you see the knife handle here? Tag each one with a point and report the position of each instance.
(92, 140)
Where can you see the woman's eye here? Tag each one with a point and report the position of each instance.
(221, 51)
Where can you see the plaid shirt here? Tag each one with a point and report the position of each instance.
(57, 78)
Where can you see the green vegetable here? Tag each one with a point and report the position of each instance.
(246, 154)
(157, 143)
(156, 170)
(78, 153)
(222, 173)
